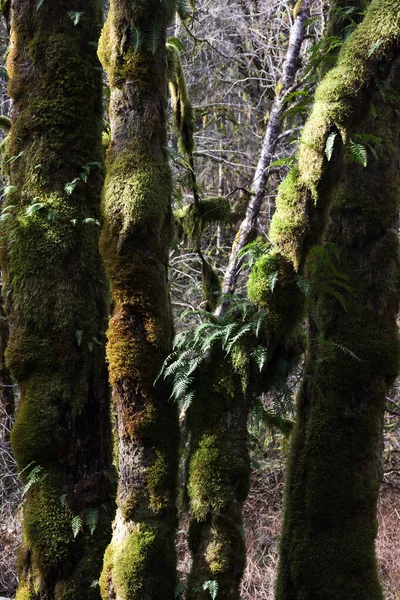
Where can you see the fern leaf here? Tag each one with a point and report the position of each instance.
(329, 146)
(152, 36)
(76, 525)
(136, 37)
(33, 477)
(75, 16)
(92, 518)
(260, 356)
(358, 153)
(212, 587)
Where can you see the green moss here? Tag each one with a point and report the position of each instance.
(182, 106)
(47, 525)
(135, 244)
(24, 593)
(353, 357)
(273, 285)
(193, 219)
(206, 485)
(5, 122)
(289, 225)
(137, 194)
(218, 477)
(132, 561)
(336, 98)
(157, 478)
(56, 292)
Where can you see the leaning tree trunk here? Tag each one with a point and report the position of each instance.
(141, 559)
(327, 548)
(246, 231)
(55, 292)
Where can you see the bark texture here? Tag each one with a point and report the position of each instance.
(218, 480)
(56, 297)
(327, 547)
(247, 228)
(140, 562)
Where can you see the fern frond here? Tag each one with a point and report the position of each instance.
(358, 153)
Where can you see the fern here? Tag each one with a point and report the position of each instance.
(76, 525)
(212, 587)
(75, 16)
(35, 475)
(329, 146)
(260, 356)
(92, 518)
(324, 277)
(136, 39)
(152, 35)
(358, 153)
(240, 326)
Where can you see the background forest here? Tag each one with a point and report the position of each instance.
(278, 284)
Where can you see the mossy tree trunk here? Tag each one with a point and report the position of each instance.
(218, 480)
(327, 548)
(141, 559)
(56, 297)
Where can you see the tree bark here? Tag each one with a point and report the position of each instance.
(218, 480)
(327, 546)
(247, 228)
(140, 562)
(56, 297)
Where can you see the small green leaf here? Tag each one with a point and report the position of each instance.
(91, 220)
(84, 176)
(78, 335)
(94, 163)
(95, 583)
(9, 189)
(76, 525)
(39, 4)
(34, 208)
(90, 346)
(33, 477)
(358, 153)
(329, 146)
(179, 589)
(212, 587)
(63, 499)
(71, 185)
(92, 518)
(75, 16)
(14, 158)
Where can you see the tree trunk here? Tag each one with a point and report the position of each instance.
(327, 547)
(218, 480)
(56, 297)
(141, 559)
(247, 228)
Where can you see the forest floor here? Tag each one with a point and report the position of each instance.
(262, 524)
